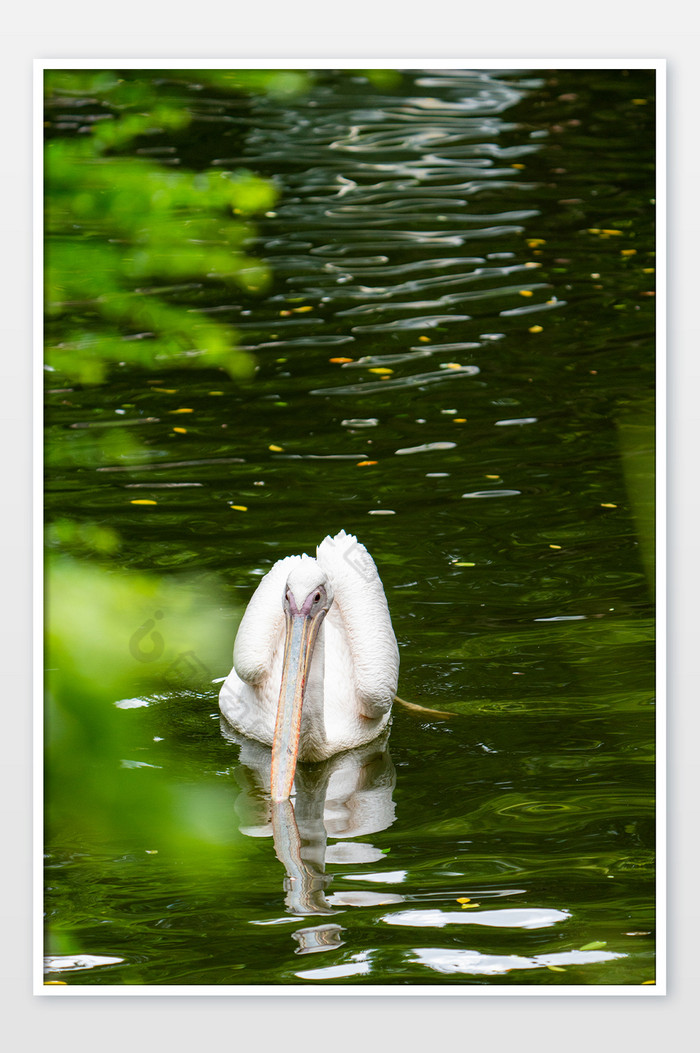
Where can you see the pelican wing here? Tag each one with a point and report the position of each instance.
(360, 600)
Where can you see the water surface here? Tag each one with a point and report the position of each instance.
(455, 362)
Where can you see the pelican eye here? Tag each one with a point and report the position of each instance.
(317, 597)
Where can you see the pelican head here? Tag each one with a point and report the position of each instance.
(308, 596)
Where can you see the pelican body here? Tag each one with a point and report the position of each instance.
(315, 662)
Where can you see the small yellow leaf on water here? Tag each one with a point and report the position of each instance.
(648, 270)
(459, 420)
(457, 564)
(62, 983)
(424, 339)
(451, 365)
(180, 431)
(556, 969)
(143, 501)
(338, 361)
(215, 392)
(463, 899)
(533, 263)
(239, 508)
(163, 391)
(183, 409)
(381, 369)
(535, 329)
(517, 165)
(535, 242)
(302, 310)
(628, 252)
(492, 477)
(363, 464)
(604, 231)
(285, 314)
(555, 546)
(607, 505)
(525, 292)
(644, 982)
(276, 449)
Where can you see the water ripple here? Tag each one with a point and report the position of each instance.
(391, 384)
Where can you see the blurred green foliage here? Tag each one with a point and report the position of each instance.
(119, 225)
(116, 642)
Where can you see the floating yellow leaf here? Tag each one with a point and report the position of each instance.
(459, 420)
(338, 361)
(239, 508)
(644, 982)
(363, 464)
(180, 431)
(383, 370)
(463, 899)
(276, 449)
(166, 391)
(555, 546)
(62, 983)
(142, 501)
(302, 310)
(533, 263)
(648, 270)
(285, 314)
(533, 243)
(525, 292)
(424, 339)
(492, 477)
(517, 165)
(451, 365)
(556, 969)
(456, 564)
(535, 329)
(607, 505)
(183, 409)
(628, 252)
(215, 393)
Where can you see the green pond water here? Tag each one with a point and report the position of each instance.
(485, 239)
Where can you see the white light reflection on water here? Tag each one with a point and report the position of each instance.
(516, 918)
(442, 960)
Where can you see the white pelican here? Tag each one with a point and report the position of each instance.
(315, 662)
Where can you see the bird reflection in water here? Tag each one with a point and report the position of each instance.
(348, 796)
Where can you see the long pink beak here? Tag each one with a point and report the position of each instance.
(300, 638)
